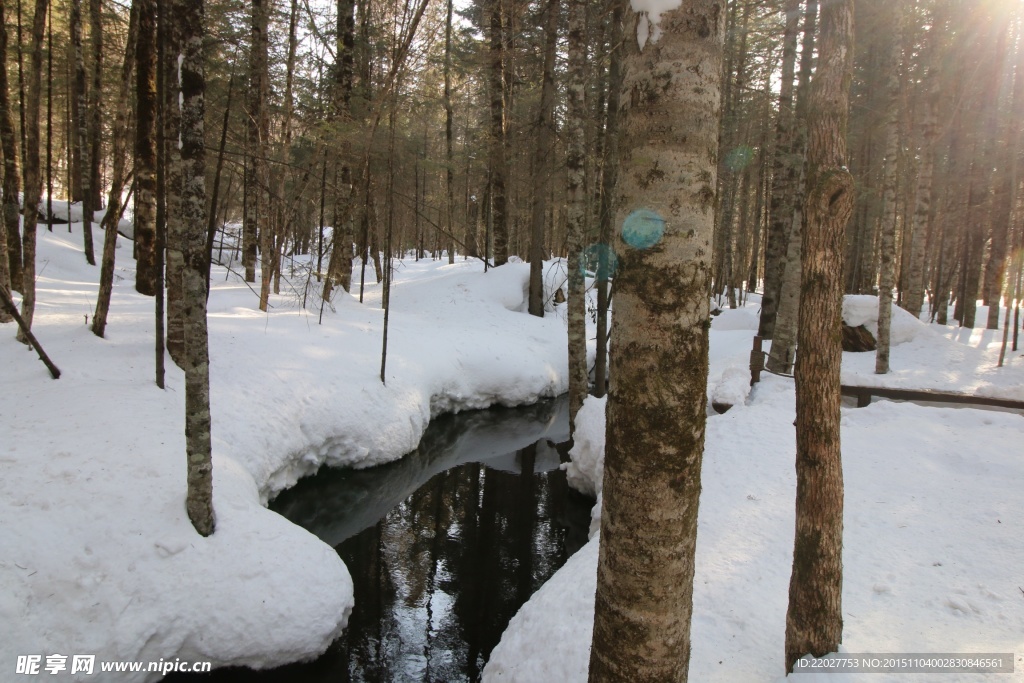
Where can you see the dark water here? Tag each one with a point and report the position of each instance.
(444, 546)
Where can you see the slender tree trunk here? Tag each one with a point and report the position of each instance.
(117, 180)
(784, 169)
(448, 120)
(545, 132)
(609, 181)
(576, 196)
(145, 150)
(199, 501)
(175, 263)
(95, 102)
(10, 240)
(656, 405)
(887, 247)
(33, 179)
(498, 163)
(80, 108)
(814, 620)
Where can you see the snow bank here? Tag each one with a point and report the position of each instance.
(934, 509)
(586, 470)
(99, 556)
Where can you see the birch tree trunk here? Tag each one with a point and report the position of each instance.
(659, 362)
(814, 619)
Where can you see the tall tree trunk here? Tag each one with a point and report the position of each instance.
(80, 132)
(33, 179)
(175, 229)
(10, 247)
(656, 405)
(609, 181)
(258, 132)
(814, 620)
(95, 101)
(545, 130)
(784, 335)
(576, 209)
(145, 150)
(199, 501)
(890, 180)
(498, 163)
(449, 175)
(784, 170)
(117, 180)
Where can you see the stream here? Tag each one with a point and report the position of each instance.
(444, 545)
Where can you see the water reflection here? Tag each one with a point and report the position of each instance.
(444, 546)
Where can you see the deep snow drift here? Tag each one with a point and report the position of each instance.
(98, 554)
(934, 512)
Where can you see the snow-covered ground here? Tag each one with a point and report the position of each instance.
(934, 512)
(98, 556)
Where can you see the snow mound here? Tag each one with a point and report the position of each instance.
(586, 470)
(736, 319)
(862, 309)
(732, 388)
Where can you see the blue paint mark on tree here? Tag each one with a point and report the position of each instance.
(643, 228)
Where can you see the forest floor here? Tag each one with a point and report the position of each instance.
(100, 559)
(99, 556)
(934, 513)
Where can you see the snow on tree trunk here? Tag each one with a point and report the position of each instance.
(659, 362)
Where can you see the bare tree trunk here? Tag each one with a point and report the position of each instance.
(609, 181)
(498, 163)
(887, 247)
(656, 405)
(199, 501)
(33, 179)
(175, 263)
(117, 180)
(576, 196)
(784, 170)
(145, 150)
(95, 102)
(814, 620)
(545, 125)
(80, 131)
(10, 231)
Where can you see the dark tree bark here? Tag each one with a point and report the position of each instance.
(576, 210)
(145, 150)
(95, 101)
(496, 154)
(814, 620)
(545, 132)
(80, 131)
(656, 406)
(33, 179)
(10, 246)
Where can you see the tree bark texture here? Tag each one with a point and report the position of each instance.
(665, 201)
(576, 209)
(814, 620)
(498, 162)
(545, 132)
(890, 182)
(172, 195)
(145, 150)
(80, 131)
(784, 170)
(199, 501)
(10, 246)
(33, 180)
(117, 179)
(258, 129)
